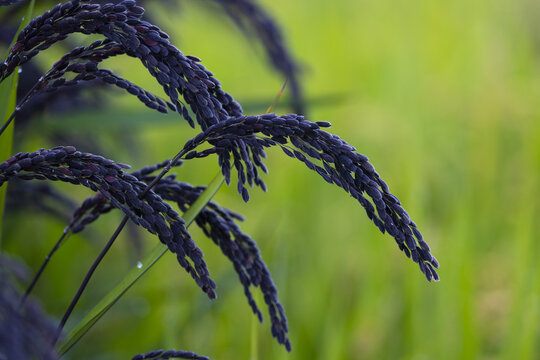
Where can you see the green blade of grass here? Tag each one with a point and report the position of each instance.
(131, 277)
(8, 92)
(8, 101)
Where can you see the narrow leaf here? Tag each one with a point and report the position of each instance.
(8, 101)
(8, 97)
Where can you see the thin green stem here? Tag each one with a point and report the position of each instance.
(56, 246)
(87, 278)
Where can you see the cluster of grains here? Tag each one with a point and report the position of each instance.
(65, 97)
(238, 140)
(122, 24)
(219, 225)
(97, 205)
(83, 62)
(25, 333)
(341, 165)
(170, 354)
(123, 191)
(254, 20)
(88, 212)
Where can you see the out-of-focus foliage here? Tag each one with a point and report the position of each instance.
(443, 97)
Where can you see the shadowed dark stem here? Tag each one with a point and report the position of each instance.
(22, 103)
(8, 121)
(87, 279)
(18, 107)
(43, 265)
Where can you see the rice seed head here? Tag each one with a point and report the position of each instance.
(95, 206)
(83, 62)
(123, 191)
(179, 75)
(219, 225)
(308, 143)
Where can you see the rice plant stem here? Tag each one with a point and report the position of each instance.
(8, 121)
(65, 234)
(87, 278)
(5, 148)
(18, 108)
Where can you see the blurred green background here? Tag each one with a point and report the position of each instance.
(443, 97)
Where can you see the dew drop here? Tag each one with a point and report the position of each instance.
(20, 70)
(139, 265)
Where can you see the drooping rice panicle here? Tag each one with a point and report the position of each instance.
(124, 191)
(179, 75)
(83, 62)
(341, 165)
(219, 225)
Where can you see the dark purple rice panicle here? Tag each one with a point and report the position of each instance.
(219, 225)
(89, 211)
(238, 141)
(25, 333)
(124, 192)
(179, 75)
(83, 61)
(341, 165)
(169, 354)
(9, 19)
(253, 20)
(97, 205)
(64, 99)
